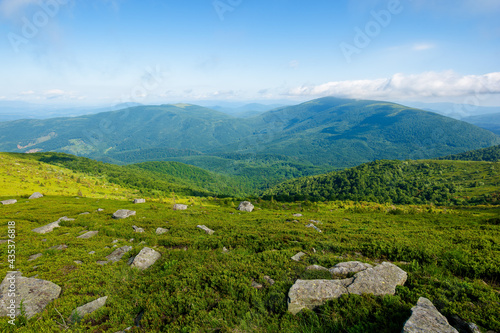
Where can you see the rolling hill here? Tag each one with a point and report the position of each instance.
(328, 132)
(490, 154)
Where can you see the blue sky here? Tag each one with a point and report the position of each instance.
(98, 52)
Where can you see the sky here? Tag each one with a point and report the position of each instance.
(106, 52)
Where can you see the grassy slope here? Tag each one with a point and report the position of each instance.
(398, 181)
(451, 257)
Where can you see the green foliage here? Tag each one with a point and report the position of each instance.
(491, 154)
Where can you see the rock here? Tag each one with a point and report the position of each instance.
(312, 293)
(2, 241)
(8, 202)
(131, 240)
(379, 280)
(316, 268)
(118, 253)
(313, 226)
(137, 229)
(92, 252)
(463, 326)
(269, 280)
(34, 293)
(35, 256)
(99, 210)
(204, 228)
(78, 262)
(345, 268)
(180, 207)
(84, 213)
(426, 318)
(315, 221)
(298, 256)
(123, 213)
(51, 226)
(145, 258)
(102, 262)
(297, 215)
(139, 201)
(246, 206)
(36, 195)
(59, 247)
(115, 241)
(161, 231)
(83, 310)
(224, 250)
(88, 235)
(256, 285)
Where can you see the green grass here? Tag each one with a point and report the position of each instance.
(451, 256)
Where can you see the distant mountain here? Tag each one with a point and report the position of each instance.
(247, 110)
(453, 110)
(327, 133)
(490, 154)
(491, 122)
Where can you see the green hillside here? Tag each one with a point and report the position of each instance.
(490, 154)
(329, 133)
(400, 182)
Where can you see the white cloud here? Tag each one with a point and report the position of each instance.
(9, 8)
(423, 46)
(401, 86)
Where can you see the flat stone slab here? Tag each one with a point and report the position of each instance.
(160, 231)
(379, 280)
(139, 201)
(180, 207)
(145, 258)
(83, 310)
(425, 318)
(314, 227)
(88, 235)
(298, 256)
(59, 247)
(246, 206)
(34, 293)
(137, 229)
(51, 226)
(36, 195)
(123, 213)
(345, 268)
(35, 256)
(204, 228)
(84, 213)
(316, 268)
(297, 215)
(118, 253)
(8, 202)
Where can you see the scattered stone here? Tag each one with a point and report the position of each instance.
(59, 247)
(345, 268)
(313, 226)
(102, 262)
(298, 256)
(8, 202)
(297, 215)
(99, 210)
(137, 229)
(316, 268)
(36, 195)
(83, 310)
(379, 280)
(35, 256)
(160, 231)
(123, 213)
(51, 226)
(78, 262)
(84, 213)
(44, 240)
(207, 230)
(145, 258)
(118, 253)
(246, 206)
(426, 318)
(92, 252)
(115, 241)
(463, 326)
(269, 280)
(131, 240)
(224, 250)
(2, 241)
(125, 330)
(256, 285)
(88, 235)
(180, 207)
(139, 201)
(35, 293)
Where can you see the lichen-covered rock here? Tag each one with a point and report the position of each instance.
(35, 256)
(51, 226)
(83, 310)
(204, 228)
(34, 293)
(161, 231)
(298, 256)
(180, 207)
(118, 253)
(316, 268)
(36, 195)
(8, 202)
(379, 280)
(123, 213)
(310, 225)
(139, 201)
(297, 215)
(88, 235)
(345, 268)
(145, 258)
(425, 318)
(246, 206)
(137, 229)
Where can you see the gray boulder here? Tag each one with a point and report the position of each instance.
(35, 256)
(84, 213)
(83, 310)
(245, 206)
(118, 253)
(139, 201)
(298, 256)
(51, 226)
(204, 228)
(123, 213)
(316, 268)
(34, 293)
(425, 318)
(8, 202)
(180, 207)
(379, 280)
(297, 215)
(314, 227)
(145, 258)
(88, 235)
(160, 231)
(137, 229)
(345, 268)
(36, 195)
